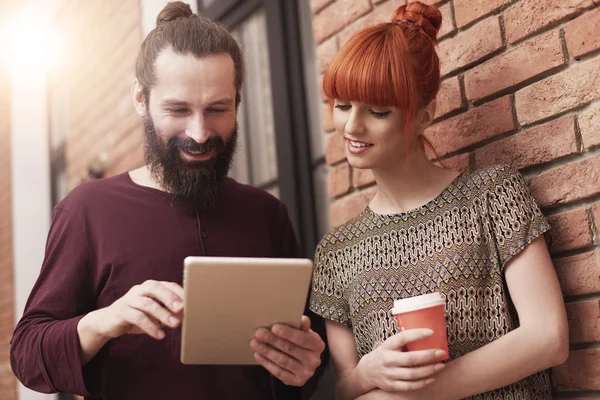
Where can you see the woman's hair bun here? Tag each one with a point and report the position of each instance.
(428, 18)
(172, 11)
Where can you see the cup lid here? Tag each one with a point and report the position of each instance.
(417, 303)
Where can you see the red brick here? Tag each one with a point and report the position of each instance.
(448, 26)
(382, 13)
(530, 16)
(580, 372)
(338, 15)
(362, 177)
(6, 300)
(582, 34)
(132, 159)
(108, 68)
(127, 155)
(576, 86)
(467, 11)
(338, 181)
(459, 162)
(107, 129)
(570, 230)
(381, 1)
(6, 270)
(428, 2)
(584, 321)
(5, 369)
(327, 119)
(449, 98)
(6, 330)
(348, 207)
(596, 212)
(579, 274)
(483, 122)
(334, 149)
(101, 71)
(567, 183)
(470, 46)
(589, 125)
(318, 5)
(321, 91)
(538, 145)
(325, 53)
(518, 65)
(8, 388)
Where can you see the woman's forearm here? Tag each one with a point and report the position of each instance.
(515, 356)
(376, 394)
(354, 384)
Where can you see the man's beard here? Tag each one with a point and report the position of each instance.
(193, 184)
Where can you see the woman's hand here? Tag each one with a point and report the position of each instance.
(392, 369)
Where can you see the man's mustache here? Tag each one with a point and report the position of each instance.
(190, 145)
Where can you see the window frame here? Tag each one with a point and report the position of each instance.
(290, 113)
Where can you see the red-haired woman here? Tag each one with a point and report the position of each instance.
(477, 238)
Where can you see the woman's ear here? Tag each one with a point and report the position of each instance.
(427, 115)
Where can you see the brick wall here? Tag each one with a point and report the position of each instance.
(8, 387)
(521, 85)
(91, 114)
(91, 105)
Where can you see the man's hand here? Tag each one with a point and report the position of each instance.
(290, 354)
(146, 308)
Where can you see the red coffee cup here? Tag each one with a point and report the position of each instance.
(426, 311)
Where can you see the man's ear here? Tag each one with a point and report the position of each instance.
(138, 98)
(238, 100)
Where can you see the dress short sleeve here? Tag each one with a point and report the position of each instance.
(327, 298)
(516, 218)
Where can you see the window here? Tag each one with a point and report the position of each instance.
(256, 161)
(276, 152)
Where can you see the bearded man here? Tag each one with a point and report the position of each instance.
(103, 319)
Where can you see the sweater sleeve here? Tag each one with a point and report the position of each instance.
(45, 351)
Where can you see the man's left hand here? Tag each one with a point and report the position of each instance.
(290, 354)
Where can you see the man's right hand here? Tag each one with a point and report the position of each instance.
(144, 309)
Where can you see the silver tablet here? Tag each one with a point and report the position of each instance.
(226, 299)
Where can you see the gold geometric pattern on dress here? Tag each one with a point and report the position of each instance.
(457, 244)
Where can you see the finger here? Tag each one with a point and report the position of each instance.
(142, 322)
(160, 292)
(420, 357)
(400, 340)
(407, 386)
(309, 340)
(135, 330)
(283, 375)
(271, 340)
(417, 373)
(175, 288)
(282, 360)
(154, 310)
(305, 323)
